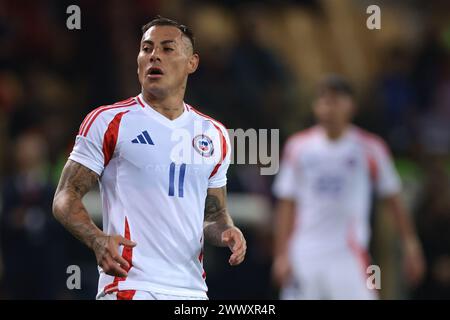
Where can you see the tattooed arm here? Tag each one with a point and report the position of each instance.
(218, 227)
(76, 180)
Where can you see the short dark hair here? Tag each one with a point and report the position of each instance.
(335, 83)
(161, 21)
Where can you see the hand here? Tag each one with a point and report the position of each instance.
(234, 239)
(106, 250)
(281, 270)
(414, 262)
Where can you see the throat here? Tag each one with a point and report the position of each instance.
(335, 134)
(169, 109)
(170, 113)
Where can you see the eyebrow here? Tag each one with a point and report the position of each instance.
(162, 42)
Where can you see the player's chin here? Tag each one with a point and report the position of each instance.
(153, 82)
(155, 87)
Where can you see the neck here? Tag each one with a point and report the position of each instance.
(335, 133)
(170, 106)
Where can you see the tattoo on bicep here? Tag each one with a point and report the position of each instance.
(77, 178)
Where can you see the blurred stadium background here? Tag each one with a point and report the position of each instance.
(259, 63)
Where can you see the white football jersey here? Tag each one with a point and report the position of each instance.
(331, 183)
(154, 175)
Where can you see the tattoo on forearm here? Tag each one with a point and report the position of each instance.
(216, 218)
(213, 208)
(76, 180)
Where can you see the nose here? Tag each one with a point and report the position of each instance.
(154, 56)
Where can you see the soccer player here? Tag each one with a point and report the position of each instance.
(161, 166)
(324, 190)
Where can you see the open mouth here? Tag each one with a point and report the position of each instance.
(155, 72)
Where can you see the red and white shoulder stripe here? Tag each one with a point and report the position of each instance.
(295, 142)
(372, 141)
(222, 130)
(372, 145)
(303, 135)
(206, 117)
(93, 115)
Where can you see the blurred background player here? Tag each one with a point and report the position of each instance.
(324, 187)
(159, 205)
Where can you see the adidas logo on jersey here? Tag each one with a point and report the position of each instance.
(143, 138)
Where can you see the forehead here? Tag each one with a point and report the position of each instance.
(161, 33)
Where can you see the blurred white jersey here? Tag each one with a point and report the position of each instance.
(331, 183)
(154, 175)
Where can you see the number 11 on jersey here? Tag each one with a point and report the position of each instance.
(180, 179)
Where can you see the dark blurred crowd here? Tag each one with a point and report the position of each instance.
(51, 77)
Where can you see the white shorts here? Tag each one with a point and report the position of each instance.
(337, 278)
(143, 295)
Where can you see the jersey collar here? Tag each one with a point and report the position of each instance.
(177, 122)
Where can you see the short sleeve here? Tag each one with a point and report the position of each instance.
(218, 177)
(285, 185)
(387, 181)
(89, 144)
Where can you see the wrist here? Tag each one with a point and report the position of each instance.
(223, 228)
(228, 227)
(93, 240)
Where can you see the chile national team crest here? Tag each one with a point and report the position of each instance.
(203, 145)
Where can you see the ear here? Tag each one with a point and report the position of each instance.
(194, 60)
